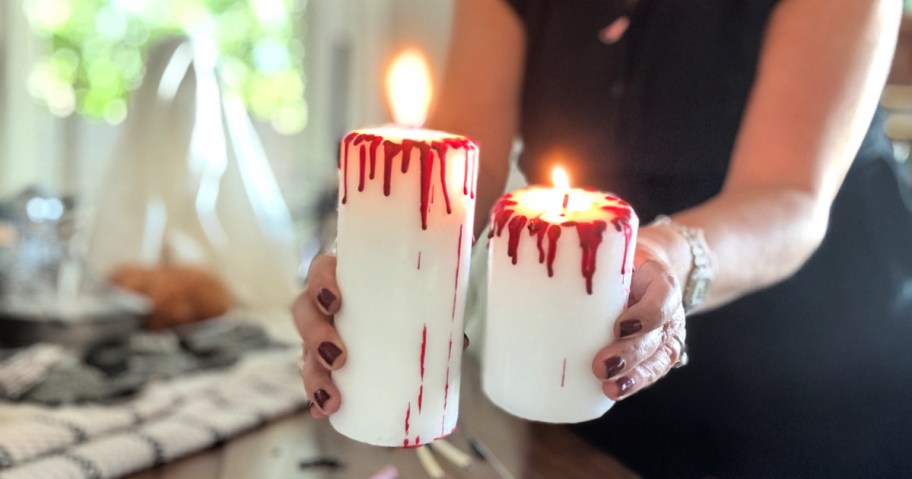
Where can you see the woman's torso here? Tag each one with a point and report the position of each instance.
(808, 378)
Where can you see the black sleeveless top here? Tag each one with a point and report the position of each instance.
(809, 378)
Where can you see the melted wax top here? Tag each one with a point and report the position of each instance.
(545, 212)
(432, 146)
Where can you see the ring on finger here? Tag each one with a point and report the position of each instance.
(683, 358)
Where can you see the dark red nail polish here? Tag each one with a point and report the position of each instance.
(631, 326)
(326, 298)
(320, 397)
(329, 352)
(465, 341)
(624, 384)
(613, 366)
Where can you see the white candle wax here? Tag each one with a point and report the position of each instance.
(407, 200)
(559, 270)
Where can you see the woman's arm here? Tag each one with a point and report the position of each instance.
(821, 71)
(481, 90)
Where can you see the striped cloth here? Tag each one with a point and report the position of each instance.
(29, 367)
(168, 420)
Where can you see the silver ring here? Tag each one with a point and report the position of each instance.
(683, 358)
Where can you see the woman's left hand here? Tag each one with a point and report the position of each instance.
(650, 332)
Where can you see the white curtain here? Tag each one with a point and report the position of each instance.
(190, 184)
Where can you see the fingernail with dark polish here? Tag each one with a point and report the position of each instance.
(329, 352)
(624, 384)
(465, 341)
(631, 326)
(326, 298)
(613, 365)
(320, 397)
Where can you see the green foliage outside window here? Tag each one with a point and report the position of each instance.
(97, 48)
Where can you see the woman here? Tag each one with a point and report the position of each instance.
(750, 123)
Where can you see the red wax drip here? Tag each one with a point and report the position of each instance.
(474, 173)
(554, 232)
(390, 150)
(423, 349)
(441, 148)
(621, 222)
(446, 387)
(456, 280)
(446, 392)
(516, 225)
(362, 158)
(406, 154)
(375, 142)
(590, 235)
(537, 228)
(500, 214)
(368, 165)
(465, 176)
(427, 166)
(417, 444)
(419, 260)
(348, 140)
(564, 372)
(408, 414)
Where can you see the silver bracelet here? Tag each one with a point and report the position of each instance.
(701, 273)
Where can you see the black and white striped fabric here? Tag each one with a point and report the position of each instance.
(29, 367)
(169, 420)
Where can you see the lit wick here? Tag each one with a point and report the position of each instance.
(562, 184)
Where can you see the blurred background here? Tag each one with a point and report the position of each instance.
(140, 134)
(166, 167)
(165, 132)
(307, 70)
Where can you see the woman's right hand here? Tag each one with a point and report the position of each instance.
(324, 351)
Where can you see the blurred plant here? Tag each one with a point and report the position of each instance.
(97, 48)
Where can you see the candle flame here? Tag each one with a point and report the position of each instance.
(560, 179)
(408, 88)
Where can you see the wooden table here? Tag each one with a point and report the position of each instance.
(512, 448)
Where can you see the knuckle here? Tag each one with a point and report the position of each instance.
(639, 348)
(671, 353)
(653, 314)
(650, 371)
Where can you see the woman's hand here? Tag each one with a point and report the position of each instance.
(324, 351)
(650, 332)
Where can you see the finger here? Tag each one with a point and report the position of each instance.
(624, 355)
(647, 372)
(321, 391)
(655, 295)
(318, 333)
(322, 286)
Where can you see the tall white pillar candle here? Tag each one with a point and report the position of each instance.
(407, 200)
(559, 271)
